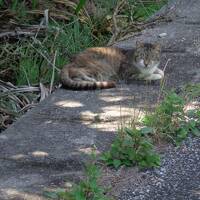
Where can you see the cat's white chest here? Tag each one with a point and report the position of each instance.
(148, 70)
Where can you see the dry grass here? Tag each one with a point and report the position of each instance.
(14, 101)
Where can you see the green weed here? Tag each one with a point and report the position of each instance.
(147, 9)
(80, 5)
(193, 121)
(192, 91)
(35, 3)
(170, 121)
(132, 147)
(87, 189)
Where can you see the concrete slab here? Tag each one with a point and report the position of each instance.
(50, 143)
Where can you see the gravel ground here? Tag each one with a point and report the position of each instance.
(177, 178)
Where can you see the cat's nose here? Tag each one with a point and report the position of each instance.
(146, 64)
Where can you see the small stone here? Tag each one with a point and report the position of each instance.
(162, 35)
(68, 185)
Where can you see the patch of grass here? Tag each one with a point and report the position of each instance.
(146, 9)
(191, 91)
(19, 8)
(87, 189)
(28, 71)
(165, 121)
(31, 59)
(170, 121)
(132, 147)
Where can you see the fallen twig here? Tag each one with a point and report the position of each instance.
(135, 28)
(116, 32)
(16, 34)
(44, 92)
(20, 90)
(53, 72)
(162, 81)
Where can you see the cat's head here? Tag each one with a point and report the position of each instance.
(147, 55)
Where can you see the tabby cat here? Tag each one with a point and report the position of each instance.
(100, 67)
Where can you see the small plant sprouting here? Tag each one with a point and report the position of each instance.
(170, 121)
(87, 189)
(132, 147)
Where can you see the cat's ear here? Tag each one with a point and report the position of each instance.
(139, 44)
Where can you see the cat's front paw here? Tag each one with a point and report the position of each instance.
(153, 77)
(159, 71)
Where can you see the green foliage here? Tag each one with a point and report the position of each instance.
(80, 5)
(146, 9)
(193, 124)
(28, 71)
(35, 3)
(19, 8)
(87, 189)
(1, 3)
(30, 59)
(132, 147)
(169, 121)
(134, 9)
(192, 90)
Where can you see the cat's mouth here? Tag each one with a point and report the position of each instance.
(141, 64)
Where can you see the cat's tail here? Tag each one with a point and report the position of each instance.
(69, 83)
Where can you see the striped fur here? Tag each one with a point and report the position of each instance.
(100, 67)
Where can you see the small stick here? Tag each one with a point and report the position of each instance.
(53, 72)
(46, 17)
(166, 64)
(116, 28)
(163, 81)
(16, 34)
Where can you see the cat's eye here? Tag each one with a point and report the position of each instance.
(142, 55)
